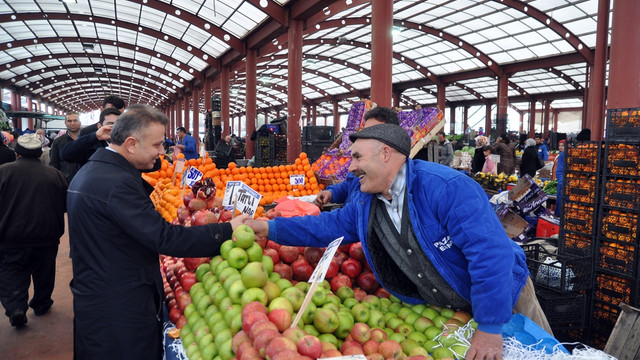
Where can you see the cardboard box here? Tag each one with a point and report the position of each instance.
(515, 226)
(547, 226)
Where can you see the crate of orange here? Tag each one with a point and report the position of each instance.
(623, 125)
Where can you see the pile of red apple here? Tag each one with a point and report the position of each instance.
(178, 276)
(348, 267)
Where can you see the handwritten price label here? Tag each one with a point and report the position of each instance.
(296, 179)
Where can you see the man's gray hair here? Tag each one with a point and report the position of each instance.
(137, 118)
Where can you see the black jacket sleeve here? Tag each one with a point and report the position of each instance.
(80, 150)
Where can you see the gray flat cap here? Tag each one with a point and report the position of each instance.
(390, 134)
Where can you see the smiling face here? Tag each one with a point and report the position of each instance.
(147, 146)
(367, 164)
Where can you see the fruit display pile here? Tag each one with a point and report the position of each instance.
(241, 305)
(623, 159)
(490, 181)
(272, 182)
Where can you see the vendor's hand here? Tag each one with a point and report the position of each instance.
(239, 220)
(181, 147)
(322, 198)
(260, 227)
(485, 346)
(104, 133)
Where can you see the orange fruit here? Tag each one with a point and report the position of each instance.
(174, 333)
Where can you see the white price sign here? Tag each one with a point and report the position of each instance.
(296, 179)
(323, 265)
(179, 165)
(191, 176)
(242, 196)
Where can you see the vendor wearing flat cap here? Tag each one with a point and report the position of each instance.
(31, 223)
(429, 235)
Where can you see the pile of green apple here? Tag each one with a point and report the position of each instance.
(242, 309)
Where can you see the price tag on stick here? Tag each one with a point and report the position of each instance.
(191, 176)
(241, 196)
(318, 276)
(296, 179)
(178, 169)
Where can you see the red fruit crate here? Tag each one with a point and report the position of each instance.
(623, 125)
(613, 289)
(619, 224)
(581, 187)
(575, 243)
(622, 159)
(618, 257)
(578, 217)
(622, 193)
(584, 157)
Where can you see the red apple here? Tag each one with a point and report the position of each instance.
(278, 344)
(288, 254)
(273, 245)
(260, 326)
(356, 251)
(288, 354)
(367, 282)
(187, 198)
(251, 318)
(263, 338)
(313, 254)
(203, 217)
(285, 271)
(196, 204)
(359, 294)
(390, 349)
(238, 339)
(273, 253)
(339, 281)
(193, 263)
(302, 270)
(310, 346)
(262, 241)
(187, 280)
(382, 293)
(351, 347)
(370, 347)
(375, 356)
(183, 301)
(351, 267)
(360, 332)
(183, 214)
(378, 335)
(243, 348)
(332, 269)
(254, 306)
(339, 257)
(331, 353)
(282, 318)
(294, 334)
(225, 216)
(181, 322)
(174, 315)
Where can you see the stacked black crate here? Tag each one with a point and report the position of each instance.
(262, 150)
(577, 240)
(278, 145)
(315, 140)
(617, 268)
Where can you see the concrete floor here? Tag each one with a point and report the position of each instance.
(47, 337)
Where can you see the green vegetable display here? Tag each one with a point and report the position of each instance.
(551, 187)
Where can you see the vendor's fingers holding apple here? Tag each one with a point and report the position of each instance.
(485, 346)
(239, 220)
(260, 228)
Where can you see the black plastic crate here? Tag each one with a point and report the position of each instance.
(623, 125)
(585, 156)
(603, 319)
(581, 187)
(619, 224)
(315, 149)
(318, 133)
(613, 289)
(561, 273)
(574, 243)
(563, 310)
(621, 192)
(578, 217)
(618, 257)
(622, 160)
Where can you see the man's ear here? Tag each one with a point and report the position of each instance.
(98, 125)
(130, 144)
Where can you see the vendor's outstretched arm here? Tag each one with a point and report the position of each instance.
(259, 227)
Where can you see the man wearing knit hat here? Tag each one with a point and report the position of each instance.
(429, 235)
(31, 223)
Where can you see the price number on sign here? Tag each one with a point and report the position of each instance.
(242, 197)
(191, 176)
(230, 193)
(296, 179)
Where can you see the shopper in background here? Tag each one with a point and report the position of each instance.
(187, 144)
(44, 158)
(445, 150)
(543, 151)
(530, 162)
(429, 234)
(557, 173)
(111, 101)
(69, 169)
(341, 192)
(489, 165)
(115, 235)
(31, 223)
(80, 150)
(478, 156)
(507, 153)
(6, 154)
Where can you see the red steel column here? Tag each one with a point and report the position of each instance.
(465, 120)
(381, 52)
(452, 123)
(224, 100)
(207, 95)
(532, 120)
(547, 110)
(251, 99)
(196, 116)
(502, 104)
(595, 109)
(487, 121)
(294, 95)
(29, 108)
(624, 66)
(314, 109)
(396, 99)
(15, 106)
(521, 129)
(441, 97)
(555, 120)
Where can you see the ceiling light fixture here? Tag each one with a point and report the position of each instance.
(98, 71)
(88, 47)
